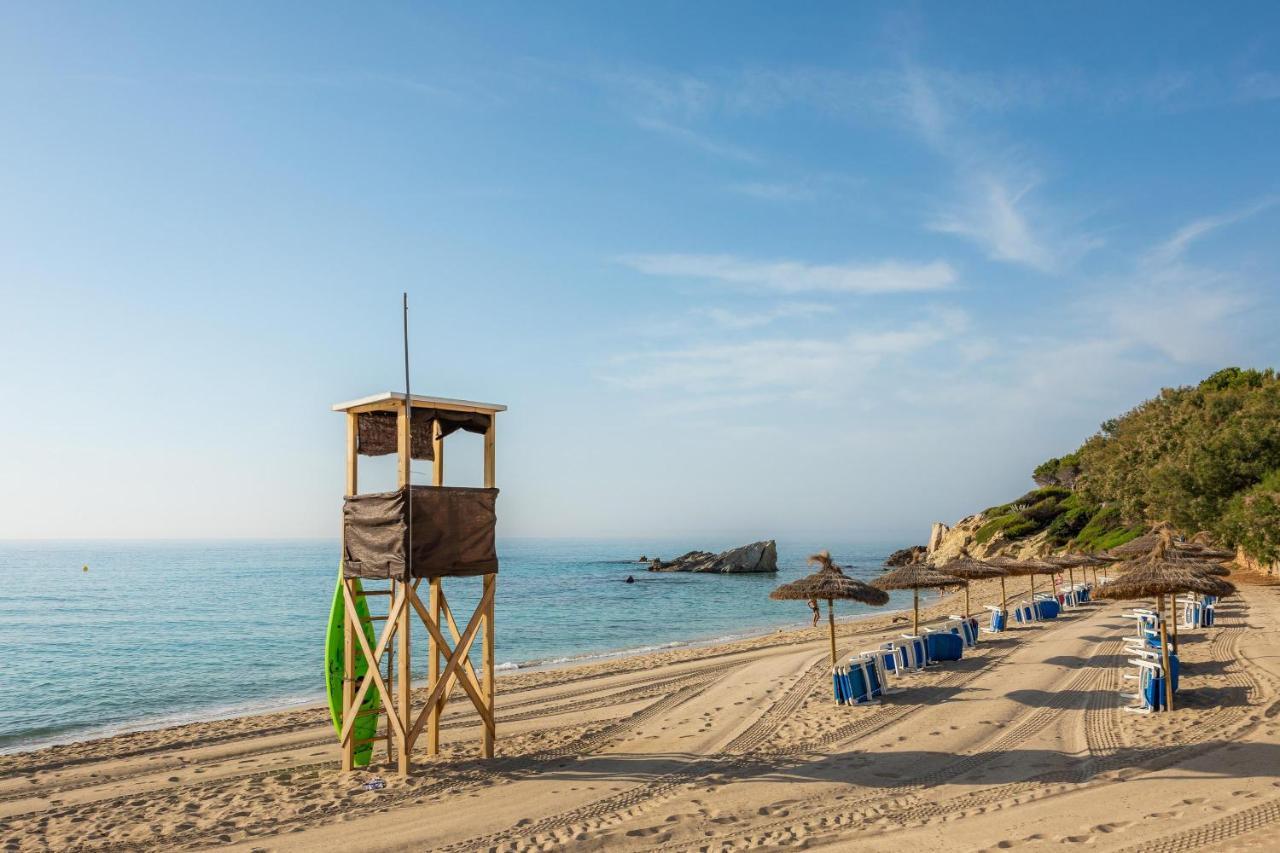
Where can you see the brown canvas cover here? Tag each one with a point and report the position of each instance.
(453, 533)
(376, 434)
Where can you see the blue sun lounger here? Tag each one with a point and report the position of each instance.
(1196, 613)
(966, 627)
(888, 660)
(999, 619)
(1026, 613)
(914, 653)
(943, 645)
(1047, 606)
(858, 683)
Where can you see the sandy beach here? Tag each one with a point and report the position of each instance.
(1023, 744)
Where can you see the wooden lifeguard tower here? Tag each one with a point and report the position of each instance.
(417, 533)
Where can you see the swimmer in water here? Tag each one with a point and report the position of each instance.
(630, 579)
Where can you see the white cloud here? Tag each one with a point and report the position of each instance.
(727, 318)
(776, 191)
(698, 140)
(1190, 313)
(796, 276)
(993, 219)
(1171, 250)
(812, 366)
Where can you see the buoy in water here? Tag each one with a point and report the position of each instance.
(85, 568)
(630, 579)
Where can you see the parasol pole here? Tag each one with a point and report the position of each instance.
(915, 597)
(1164, 653)
(1004, 597)
(966, 599)
(831, 621)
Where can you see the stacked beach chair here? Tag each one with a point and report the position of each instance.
(1148, 672)
(1197, 611)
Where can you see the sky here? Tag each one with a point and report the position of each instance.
(753, 270)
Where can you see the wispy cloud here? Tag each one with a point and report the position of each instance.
(797, 276)
(728, 318)
(1191, 313)
(774, 191)
(695, 139)
(1001, 218)
(799, 367)
(1172, 250)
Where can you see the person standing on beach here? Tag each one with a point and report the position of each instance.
(813, 605)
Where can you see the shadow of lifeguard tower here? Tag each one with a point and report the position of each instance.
(402, 539)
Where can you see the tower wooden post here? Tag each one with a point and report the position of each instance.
(349, 629)
(490, 593)
(435, 605)
(404, 678)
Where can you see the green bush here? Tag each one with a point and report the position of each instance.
(1252, 519)
(988, 530)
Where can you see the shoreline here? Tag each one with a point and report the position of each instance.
(503, 672)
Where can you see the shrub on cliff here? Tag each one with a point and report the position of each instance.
(1203, 458)
(1194, 456)
(1252, 519)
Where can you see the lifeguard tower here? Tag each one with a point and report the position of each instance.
(392, 543)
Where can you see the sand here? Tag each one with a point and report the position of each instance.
(1023, 744)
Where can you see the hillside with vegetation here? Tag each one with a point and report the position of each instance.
(1205, 457)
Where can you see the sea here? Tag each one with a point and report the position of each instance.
(102, 637)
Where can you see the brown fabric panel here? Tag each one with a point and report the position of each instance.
(373, 535)
(377, 430)
(453, 533)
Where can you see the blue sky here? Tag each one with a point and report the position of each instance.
(739, 270)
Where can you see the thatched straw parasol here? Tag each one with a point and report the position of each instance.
(1136, 547)
(968, 569)
(1156, 578)
(1197, 551)
(915, 577)
(829, 583)
(1029, 568)
(1071, 562)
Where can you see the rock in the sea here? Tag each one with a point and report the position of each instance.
(757, 557)
(907, 556)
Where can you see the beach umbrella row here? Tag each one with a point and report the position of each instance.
(968, 569)
(915, 577)
(1028, 568)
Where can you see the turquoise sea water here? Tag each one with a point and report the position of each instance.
(164, 632)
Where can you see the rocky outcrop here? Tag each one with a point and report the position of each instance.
(756, 557)
(946, 543)
(936, 534)
(907, 556)
(1248, 563)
